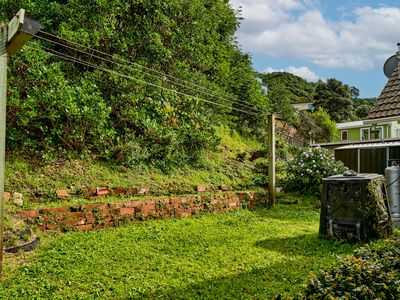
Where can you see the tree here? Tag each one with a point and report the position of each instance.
(298, 89)
(281, 102)
(354, 92)
(334, 97)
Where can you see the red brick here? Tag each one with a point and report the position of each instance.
(213, 202)
(234, 204)
(119, 191)
(29, 213)
(67, 222)
(90, 192)
(163, 201)
(127, 211)
(74, 215)
(88, 207)
(137, 204)
(107, 219)
(84, 227)
(184, 200)
(128, 204)
(51, 226)
(46, 218)
(81, 222)
(133, 191)
(105, 212)
(175, 201)
(115, 205)
(148, 207)
(6, 196)
(90, 220)
(163, 212)
(102, 191)
(59, 209)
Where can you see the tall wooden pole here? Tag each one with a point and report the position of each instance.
(271, 159)
(13, 36)
(3, 98)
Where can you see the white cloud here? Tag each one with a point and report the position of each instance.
(298, 29)
(302, 72)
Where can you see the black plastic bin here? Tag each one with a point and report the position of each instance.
(354, 208)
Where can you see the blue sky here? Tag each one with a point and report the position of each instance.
(347, 40)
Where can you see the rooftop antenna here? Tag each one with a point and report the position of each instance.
(392, 62)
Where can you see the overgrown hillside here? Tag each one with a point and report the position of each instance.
(148, 116)
(299, 89)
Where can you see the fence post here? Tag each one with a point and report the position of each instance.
(3, 99)
(271, 159)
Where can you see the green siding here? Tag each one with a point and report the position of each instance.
(353, 134)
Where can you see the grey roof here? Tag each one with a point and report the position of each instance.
(388, 103)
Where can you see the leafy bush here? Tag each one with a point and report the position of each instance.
(57, 108)
(306, 170)
(373, 273)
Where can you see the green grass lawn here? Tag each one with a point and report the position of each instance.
(239, 255)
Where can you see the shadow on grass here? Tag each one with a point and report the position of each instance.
(301, 255)
(305, 245)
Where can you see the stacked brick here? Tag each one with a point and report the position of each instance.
(102, 215)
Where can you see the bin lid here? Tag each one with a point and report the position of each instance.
(358, 177)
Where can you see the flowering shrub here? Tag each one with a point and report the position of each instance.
(306, 170)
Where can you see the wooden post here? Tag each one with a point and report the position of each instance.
(271, 159)
(3, 99)
(13, 36)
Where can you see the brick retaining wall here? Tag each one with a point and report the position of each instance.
(101, 215)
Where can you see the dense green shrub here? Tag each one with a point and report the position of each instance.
(307, 169)
(373, 273)
(57, 107)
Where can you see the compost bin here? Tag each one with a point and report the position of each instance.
(354, 208)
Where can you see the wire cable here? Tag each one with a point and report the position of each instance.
(79, 61)
(245, 106)
(164, 76)
(91, 55)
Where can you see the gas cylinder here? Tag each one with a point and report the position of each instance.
(392, 178)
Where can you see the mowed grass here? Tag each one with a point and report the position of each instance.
(249, 254)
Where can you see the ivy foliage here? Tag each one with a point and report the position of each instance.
(57, 107)
(372, 273)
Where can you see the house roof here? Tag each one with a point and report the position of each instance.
(370, 145)
(349, 124)
(388, 103)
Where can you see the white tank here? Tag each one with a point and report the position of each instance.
(392, 177)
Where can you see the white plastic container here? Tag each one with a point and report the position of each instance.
(392, 178)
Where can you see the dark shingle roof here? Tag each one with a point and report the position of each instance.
(388, 103)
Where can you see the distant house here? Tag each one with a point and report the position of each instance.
(371, 145)
(369, 129)
(303, 106)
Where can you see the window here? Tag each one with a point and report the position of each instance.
(364, 134)
(376, 132)
(379, 133)
(344, 135)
